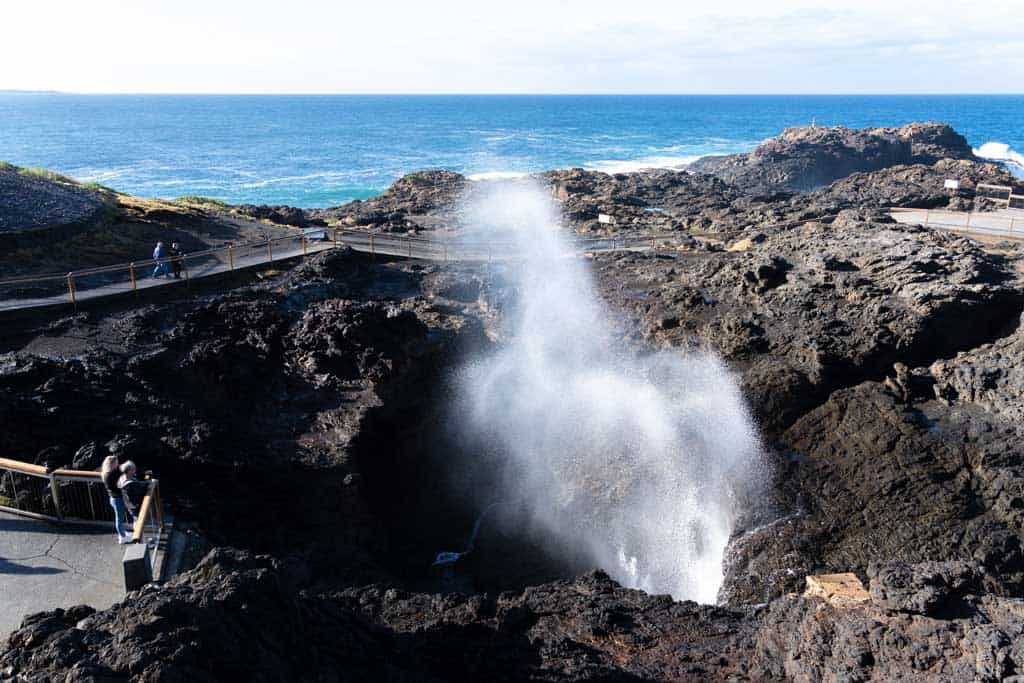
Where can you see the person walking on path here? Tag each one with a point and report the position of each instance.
(111, 474)
(133, 491)
(176, 260)
(158, 255)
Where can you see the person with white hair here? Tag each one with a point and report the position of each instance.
(133, 491)
(111, 473)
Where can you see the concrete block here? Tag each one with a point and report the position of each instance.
(138, 570)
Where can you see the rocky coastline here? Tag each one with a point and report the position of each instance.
(299, 420)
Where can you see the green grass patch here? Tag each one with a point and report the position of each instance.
(415, 178)
(201, 201)
(43, 174)
(5, 166)
(99, 188)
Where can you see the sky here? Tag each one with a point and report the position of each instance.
(523, 46)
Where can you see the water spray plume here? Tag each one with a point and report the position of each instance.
(631, 462)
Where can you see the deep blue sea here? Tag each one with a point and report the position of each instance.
(322, 150)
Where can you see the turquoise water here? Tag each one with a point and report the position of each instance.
(324, 150)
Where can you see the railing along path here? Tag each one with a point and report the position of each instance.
(71, 496)
(1002, 223)
(32, 291)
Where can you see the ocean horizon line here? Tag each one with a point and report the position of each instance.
(16, 91)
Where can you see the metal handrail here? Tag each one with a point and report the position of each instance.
(393, 238)
(55, 497)
(151, 510)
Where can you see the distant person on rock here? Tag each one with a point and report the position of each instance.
(133, 491)
(176, 260)
(159, 254)
(111, 474)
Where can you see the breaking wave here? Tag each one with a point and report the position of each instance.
(1001, 152)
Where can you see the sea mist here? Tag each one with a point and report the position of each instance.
(629, 462)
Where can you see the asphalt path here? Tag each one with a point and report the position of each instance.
(44, 566)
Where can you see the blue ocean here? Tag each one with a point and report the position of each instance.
(323, 150)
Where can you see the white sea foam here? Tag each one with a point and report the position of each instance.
(497, 175)
(630, 462)
(1001, 152)
(674, 163)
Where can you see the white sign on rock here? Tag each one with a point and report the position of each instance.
(952, 185)
(604, 218)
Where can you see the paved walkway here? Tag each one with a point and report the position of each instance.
(44, 566)
(96, 286)
(212, 266)
(1007, 223)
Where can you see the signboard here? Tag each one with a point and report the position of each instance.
(604, 218)
(952, 185)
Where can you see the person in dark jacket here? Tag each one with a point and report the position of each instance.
(176, 255)
(133, 491)
(111, 474)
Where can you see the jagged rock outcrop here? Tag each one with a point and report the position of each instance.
(202, 626)
(265, 391)
(32, 201)
(929, 622)
(280, 214)
(805, 158)
(416, 200)
(881, 360)
(806, 310)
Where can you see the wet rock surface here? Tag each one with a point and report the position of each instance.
(882, 362)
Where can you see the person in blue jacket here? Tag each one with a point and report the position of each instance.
(161, 265)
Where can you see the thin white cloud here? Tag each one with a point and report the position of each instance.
(527, 46)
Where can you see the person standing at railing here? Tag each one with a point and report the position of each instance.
(159, 254)
(111, 474)
(176, 257)
(133, 491)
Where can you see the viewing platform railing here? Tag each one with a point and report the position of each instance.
(79, 497)
(1000, 193)
(54, 288)
(70, 496)
(989, 222)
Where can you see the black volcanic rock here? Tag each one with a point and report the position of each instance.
(808, 157)
(882, 362)
(30, 201)
(806, 310)
(237, 616)
(281, 214)
(411, 200)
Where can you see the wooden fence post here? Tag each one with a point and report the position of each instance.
(373, 250)
(927, 216)
(55, 490)
(231, 259)
(410, 247)
(131, 271)
(71, 290)
(303, 245)
(270, 251)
